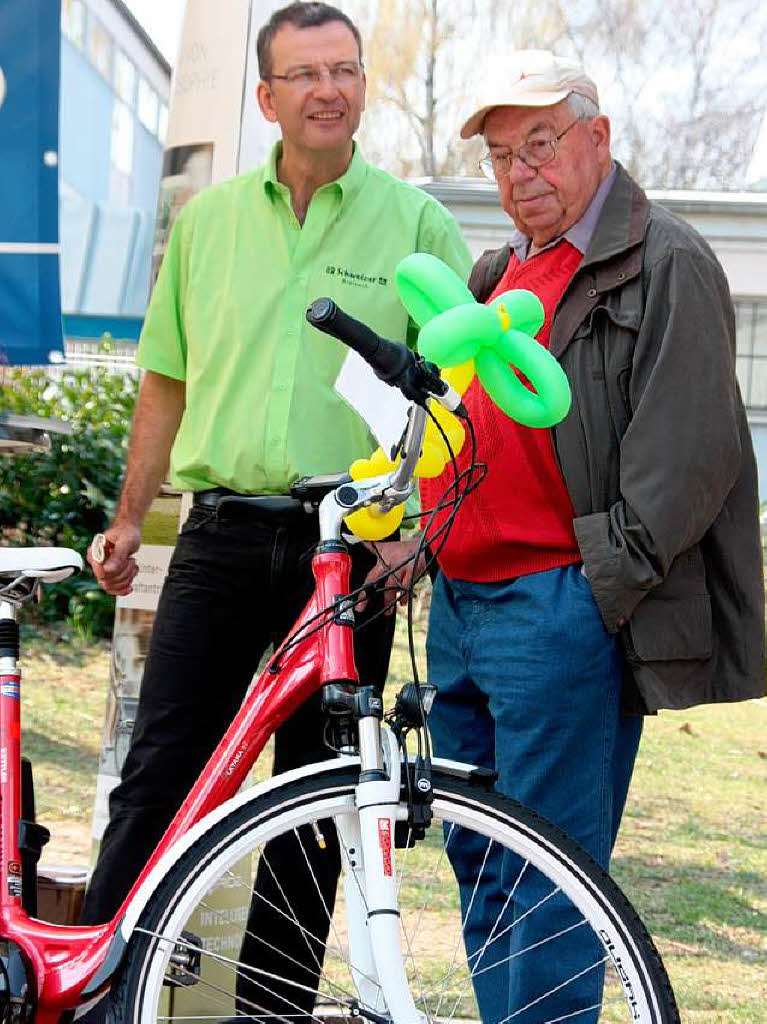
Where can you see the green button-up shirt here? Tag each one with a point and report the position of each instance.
(227, 317)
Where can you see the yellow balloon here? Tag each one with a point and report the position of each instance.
(459, 377)
(370, 524)
(434, 454)
(432, 461)
(376, 465)
(452, 426)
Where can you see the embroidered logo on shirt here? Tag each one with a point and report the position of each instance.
(354, 277)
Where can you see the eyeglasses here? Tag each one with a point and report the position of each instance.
(347, 72)
(538, 151)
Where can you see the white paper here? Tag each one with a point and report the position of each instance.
(382, 407)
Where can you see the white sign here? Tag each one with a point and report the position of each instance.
(153, 561)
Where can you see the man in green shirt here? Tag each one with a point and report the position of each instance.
(238, 396)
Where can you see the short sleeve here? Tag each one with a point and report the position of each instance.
(162, 345)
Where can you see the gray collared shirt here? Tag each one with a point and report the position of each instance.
(580, 233)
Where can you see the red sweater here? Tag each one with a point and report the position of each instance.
(520, 518)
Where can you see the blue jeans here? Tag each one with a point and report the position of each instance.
(529, 685)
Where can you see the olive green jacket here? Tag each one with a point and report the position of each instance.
(657, 456)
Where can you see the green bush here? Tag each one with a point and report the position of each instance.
(65, 496)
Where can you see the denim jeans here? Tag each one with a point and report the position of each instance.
(234, 586)
(529, 685)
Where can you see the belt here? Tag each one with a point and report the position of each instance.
(227, 503)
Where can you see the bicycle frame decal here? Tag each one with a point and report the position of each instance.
(10, 686)
(64, 958)
(384, 841)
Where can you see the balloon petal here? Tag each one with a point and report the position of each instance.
(524, 309)
(451, 425)
(459, 377)
(427, 287)
(366, 524)
(542, 409)
(432, 461)
(456, 335)
(376, 465)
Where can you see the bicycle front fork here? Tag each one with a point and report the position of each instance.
(370, 880)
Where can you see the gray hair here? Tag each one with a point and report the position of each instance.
(581, 107)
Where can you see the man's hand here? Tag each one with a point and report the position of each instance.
(390, 555)
(118, 570)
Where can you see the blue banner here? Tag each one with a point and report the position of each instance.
(30, 301)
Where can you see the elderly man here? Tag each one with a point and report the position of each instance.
(609, 567)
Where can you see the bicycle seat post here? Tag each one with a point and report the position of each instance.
(9, 638)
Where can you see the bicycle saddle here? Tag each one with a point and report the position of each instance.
(50, 565)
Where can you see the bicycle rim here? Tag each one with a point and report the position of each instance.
(198, 919)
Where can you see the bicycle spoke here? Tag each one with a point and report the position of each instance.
(291, 916)
(282, 953)
(533, 945)
(317, 886)
(572, 1016)
(230, 996)
(551, 991)
(237, 968)
(307, 934)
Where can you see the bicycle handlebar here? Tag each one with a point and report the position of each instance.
(391, 361)
(388, 359)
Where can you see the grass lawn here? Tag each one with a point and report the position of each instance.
(692, 853)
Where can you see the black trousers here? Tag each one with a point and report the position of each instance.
(234, 586)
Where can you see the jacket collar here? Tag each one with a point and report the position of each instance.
(622, 223)
(614, 257)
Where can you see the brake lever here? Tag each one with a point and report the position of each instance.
(435, 386)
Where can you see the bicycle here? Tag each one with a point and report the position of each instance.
(395, 949)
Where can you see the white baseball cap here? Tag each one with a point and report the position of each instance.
(537, 79)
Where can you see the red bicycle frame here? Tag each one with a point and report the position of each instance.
(65, 958)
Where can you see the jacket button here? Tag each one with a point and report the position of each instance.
(591, 292)
(621, 276)
(620, 623)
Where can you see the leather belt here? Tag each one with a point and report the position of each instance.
(228, 503)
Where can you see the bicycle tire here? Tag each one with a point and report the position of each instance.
(637, 981)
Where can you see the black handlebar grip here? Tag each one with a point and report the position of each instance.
(326, 316)
(389, 359)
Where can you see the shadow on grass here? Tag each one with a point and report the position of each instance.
(40, 749)
(696, 903)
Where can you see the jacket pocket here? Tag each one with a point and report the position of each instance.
(673, 630)
(673, 622)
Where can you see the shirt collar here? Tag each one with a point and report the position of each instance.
(581, 233)
(348, 185)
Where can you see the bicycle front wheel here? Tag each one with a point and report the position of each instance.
(536, 931)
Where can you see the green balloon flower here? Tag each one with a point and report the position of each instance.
(499, 337)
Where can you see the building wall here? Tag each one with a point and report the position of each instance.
(85, 120)
(113, 115)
